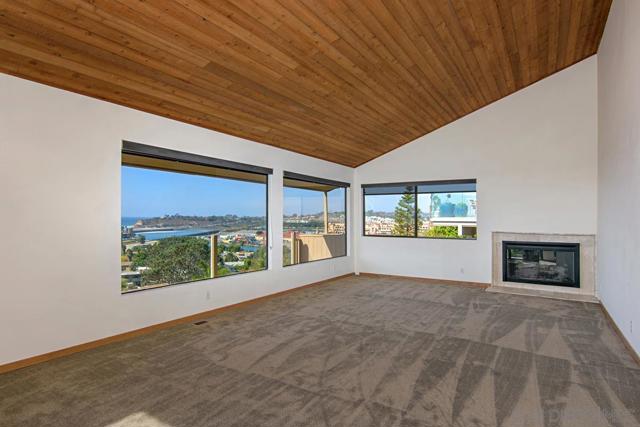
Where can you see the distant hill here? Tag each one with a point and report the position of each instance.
(213, 221)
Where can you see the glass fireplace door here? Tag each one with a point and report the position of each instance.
(541, 263)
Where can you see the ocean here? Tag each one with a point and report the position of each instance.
(129, 220)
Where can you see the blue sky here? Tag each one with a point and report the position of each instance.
(388, 203)
(150, 193)
(303, 202)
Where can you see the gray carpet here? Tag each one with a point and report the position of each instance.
(353, 352)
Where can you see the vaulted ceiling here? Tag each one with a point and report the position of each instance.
(341, 80)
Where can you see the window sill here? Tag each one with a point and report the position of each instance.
(315, 260)
(148, 288)
(422, 237)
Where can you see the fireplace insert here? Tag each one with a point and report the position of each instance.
(555, 264)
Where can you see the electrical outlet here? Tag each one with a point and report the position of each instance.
(462, 270)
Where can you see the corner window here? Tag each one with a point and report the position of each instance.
(186, 218)
(314, 223)
(436, 209)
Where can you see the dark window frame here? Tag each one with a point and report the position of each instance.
(415, 185)
(144, 150)
(316, 180)
(152, 152)
(313, 179)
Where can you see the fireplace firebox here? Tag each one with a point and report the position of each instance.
(556, 264)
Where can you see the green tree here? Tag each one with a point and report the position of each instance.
(229, 257)
(405, 215)
(258, 261)
(223, 271)
(174, 260)
(138, 256)
(442, 231)
(234, 247)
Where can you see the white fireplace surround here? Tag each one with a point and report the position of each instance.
(587, 289)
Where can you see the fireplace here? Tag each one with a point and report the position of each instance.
(556, 264)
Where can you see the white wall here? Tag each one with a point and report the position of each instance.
(619, 168)
(60, 212)
(534, 154)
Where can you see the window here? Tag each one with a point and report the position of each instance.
(186, 217)
(437, 209)
(314, 223)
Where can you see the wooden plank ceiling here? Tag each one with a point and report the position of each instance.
(341, 80)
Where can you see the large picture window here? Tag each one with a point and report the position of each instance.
(186, 218)
(437, 209)
(315, 215)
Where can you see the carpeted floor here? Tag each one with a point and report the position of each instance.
(354, 352)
